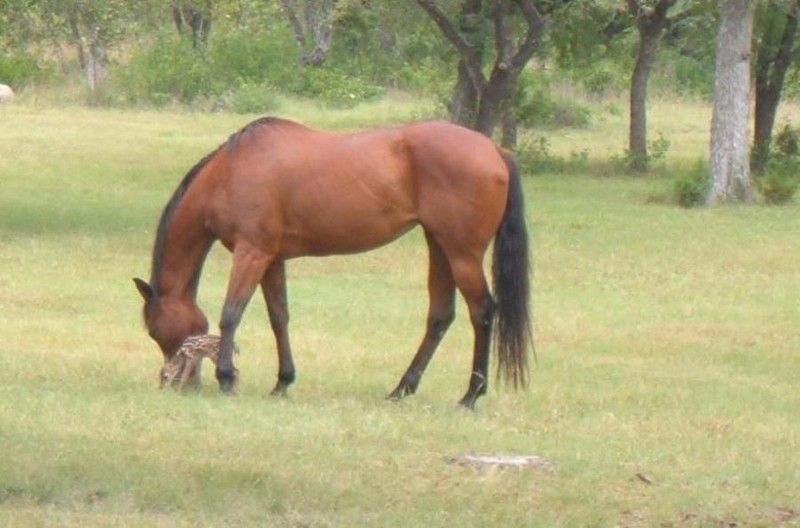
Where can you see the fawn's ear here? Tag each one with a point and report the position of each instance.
(144, 289)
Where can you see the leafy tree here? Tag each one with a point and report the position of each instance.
(490, 95)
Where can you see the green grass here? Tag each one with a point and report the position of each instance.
(667, 347)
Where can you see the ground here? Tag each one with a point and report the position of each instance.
(665, 386)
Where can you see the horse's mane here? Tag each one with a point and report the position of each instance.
(180, 192)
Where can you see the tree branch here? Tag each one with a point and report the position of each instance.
(468, 54)
(533, 37)
(297, 27)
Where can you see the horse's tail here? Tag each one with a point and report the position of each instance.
(511, 271)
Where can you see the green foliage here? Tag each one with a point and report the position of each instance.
(780, 181)
(536, 107)
(787, 141)
(252, 98)
(779, 185)
(691, 187)
(535, 156)
(170, 70)
(19, 70)
(241, 55)
(334, 87)
(242, 70)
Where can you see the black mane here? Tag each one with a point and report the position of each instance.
(177, 196)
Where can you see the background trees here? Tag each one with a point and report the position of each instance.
(492, 66)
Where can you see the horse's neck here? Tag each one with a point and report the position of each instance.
(186, 246)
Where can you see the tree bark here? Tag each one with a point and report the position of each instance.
(77, 38)
(196, 18)
(466, 94)
(97, 65)
(772, 63)
(314, 29)
(730, 156)
(650, 24)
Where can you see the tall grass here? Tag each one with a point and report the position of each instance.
(667, 349)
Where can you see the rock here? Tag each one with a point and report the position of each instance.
(6, 94)
(505, 461)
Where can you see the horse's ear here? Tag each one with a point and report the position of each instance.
(145, 289)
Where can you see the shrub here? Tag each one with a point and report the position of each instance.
(535, 157)
(171, 70)
(535, 107)
(779, 181)
(691, 187)
(787, 140)
(18, 70)
(251, 98)
(333, 87)
(777, 187)
(241, 56)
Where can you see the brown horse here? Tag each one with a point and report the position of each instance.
(277, 190)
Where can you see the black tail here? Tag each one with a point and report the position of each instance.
(511, 270)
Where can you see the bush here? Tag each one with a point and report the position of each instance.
(691, 187)
(333, 87)
(535, 157)
(251, 98)
(777, 187)
(240, 57)
(535, 107)
(779, 181)
(171, 70)
(18, 70)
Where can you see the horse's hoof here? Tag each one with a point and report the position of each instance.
(468, 402)
(279, 391)
(228, 382)
(402, 390)
(399, 393)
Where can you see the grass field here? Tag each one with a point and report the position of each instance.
(666, 387)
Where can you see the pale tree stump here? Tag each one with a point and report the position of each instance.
(495, 462)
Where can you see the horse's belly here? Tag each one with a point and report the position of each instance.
(328, 231)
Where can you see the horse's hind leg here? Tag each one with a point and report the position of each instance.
(471, 282)
(273, 286)
(441, 291)
(249, 266)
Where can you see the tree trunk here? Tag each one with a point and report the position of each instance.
(97, 65)
(508, 135)
(196, 18)
(650, 24)
(315, 29)
(492, 100)
(637, 143)
(77, 38)
(730, 156)
(464, 106)
(771, 66)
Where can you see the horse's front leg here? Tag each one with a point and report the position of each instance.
(249, 266)
(273, 285)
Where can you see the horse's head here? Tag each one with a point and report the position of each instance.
(170, 320)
